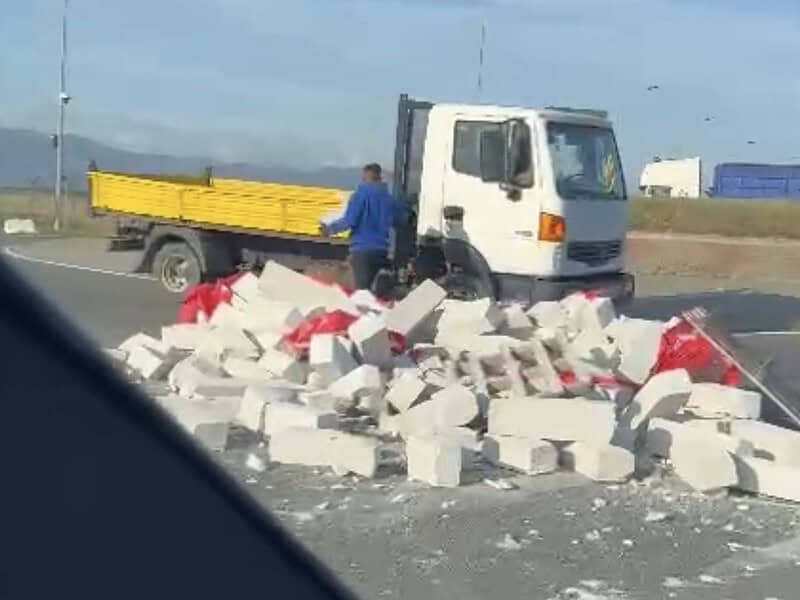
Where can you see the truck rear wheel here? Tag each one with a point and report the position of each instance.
(177, 267)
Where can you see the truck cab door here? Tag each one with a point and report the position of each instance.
(497, 222)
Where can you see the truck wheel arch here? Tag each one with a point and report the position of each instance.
(462, 254)
(213, 249)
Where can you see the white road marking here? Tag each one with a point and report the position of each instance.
(52, 263)
(766, 333)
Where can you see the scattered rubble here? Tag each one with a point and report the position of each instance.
(479, 387)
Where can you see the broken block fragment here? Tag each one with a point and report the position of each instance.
(662, 396)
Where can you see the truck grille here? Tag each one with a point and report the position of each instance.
(594, 254)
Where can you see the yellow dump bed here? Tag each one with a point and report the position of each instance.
(225, 204)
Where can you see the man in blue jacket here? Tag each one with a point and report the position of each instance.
(370, 215)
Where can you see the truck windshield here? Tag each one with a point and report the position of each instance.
(585, 162)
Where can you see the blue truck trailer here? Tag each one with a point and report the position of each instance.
(756, 181)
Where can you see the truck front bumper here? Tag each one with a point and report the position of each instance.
(620, 287)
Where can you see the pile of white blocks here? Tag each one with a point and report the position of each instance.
(562, 385)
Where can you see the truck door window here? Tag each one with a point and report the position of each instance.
(467, 145)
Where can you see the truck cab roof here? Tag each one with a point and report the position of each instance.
(595, 118)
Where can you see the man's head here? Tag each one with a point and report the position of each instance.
(371, 173)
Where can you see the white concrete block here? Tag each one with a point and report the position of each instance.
(553, 419)
(284, 366)
(225, 315)
(409, 316)
(599, 462)
(712, 400)
(219, 387)
(475, 316)
(455, 406)
(434, 460)
(592, 348)
(365, 300)
(488, 348)
(517, 324)
(267, 340)
(360, 383)
(319, 400)
(770, 441)
(467, 439)
(285, 285)
(251, 410)
(142, 339)
(257, 396)
(225, 341)
(208, 421)
(639, 343)
(246, 287)
(701, 458)
(662, 396)
(663, 436)
(246, 369)
(262, 315)
(329, 357)
(587, 314)
(196, 377)
(149, 364)
(768, 478)
(548, 315)
(321, 447)
(371, 340)
(550, 381)
(529, 455)
(184, 336)
(406, 390)
(279, 416)
(116, 356)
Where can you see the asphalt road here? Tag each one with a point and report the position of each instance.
(556, 536)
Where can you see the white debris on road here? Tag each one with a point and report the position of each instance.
(19, 226)
(498, 391)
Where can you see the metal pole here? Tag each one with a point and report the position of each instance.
(63, 99)
(481, 57)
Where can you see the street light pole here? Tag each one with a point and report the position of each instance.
(63, 100)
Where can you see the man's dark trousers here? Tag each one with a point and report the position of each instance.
(366, 265)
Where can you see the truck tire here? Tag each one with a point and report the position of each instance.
(177, 267)
(466, 287)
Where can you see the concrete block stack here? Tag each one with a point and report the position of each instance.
(561, 385)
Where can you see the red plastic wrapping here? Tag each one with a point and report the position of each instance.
(202, 300)
(684, 348)
(335, 323)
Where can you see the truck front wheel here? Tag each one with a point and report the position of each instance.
(177, 267)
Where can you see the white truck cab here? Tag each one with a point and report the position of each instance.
(521, 204)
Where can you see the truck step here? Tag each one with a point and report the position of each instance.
(118, 244)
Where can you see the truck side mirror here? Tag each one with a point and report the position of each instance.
(493, 155)
(518, 164)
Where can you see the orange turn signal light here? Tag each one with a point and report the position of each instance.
(552, 228)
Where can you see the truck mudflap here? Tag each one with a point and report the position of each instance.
(620, 287)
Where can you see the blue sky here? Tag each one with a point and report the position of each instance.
(312, 82)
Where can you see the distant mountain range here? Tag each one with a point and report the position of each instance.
(27, 159)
